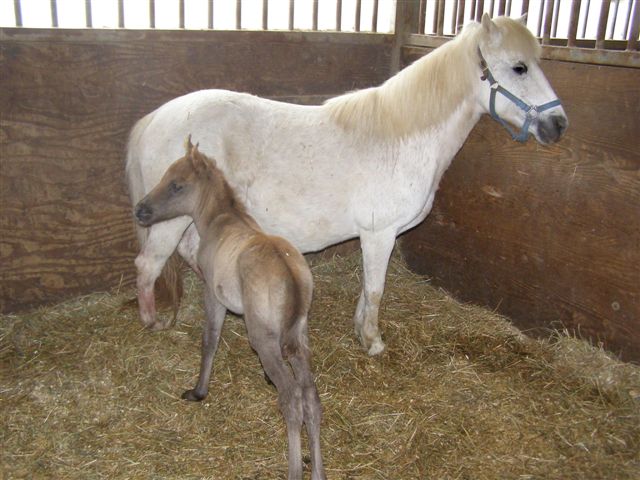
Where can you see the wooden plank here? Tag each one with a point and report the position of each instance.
(68, 100)
(549, 236)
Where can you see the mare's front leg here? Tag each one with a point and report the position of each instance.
(376, 250)
(215, 313)
(161, 241)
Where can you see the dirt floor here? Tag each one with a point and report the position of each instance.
(459, 393)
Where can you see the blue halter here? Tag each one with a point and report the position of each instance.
(531, 111)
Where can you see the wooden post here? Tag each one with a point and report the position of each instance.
(407, 13)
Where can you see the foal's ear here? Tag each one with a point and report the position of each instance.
(188, 146)
(523, 19)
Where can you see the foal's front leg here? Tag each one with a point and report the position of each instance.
(376, 250)
(215, 313)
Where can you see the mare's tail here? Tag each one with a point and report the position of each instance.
(169, 285)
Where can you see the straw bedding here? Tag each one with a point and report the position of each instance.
(459, 393)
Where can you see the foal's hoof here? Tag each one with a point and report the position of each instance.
(193, 396)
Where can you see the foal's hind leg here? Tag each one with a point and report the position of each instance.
(289, 393)
(301, 364)
(160, 244)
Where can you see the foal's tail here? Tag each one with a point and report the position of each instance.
(169, 285)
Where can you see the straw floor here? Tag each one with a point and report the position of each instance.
(459, 393)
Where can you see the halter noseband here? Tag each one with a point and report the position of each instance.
(531, 111)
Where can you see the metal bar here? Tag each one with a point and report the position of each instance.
(502, 6)
(583, 30)
(88, 20)
(265, 14)
(548, 21)
(181, 14)
(339, 15)
(602, 23)
(54, 13)
(315, 15)
(152, 13)
(540, 18)
(422, 16)
(440, 15)
(120, 13)
(634, 31)
(472, 10)
(238, 14)
(292, 7)
(625, 31)
(17, 11)
(358, 12)
(210, 14)
(574, 15)
(454, 16)
(508, 9)
(374, 17)
(491, 5)
(479, 10)
(612, 30)
(525, 7)
(460, 20)
(554, 23)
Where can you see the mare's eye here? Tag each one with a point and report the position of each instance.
(174, 187)
(520, 68)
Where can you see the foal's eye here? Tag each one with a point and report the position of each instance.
(520, 68)
(174, 187)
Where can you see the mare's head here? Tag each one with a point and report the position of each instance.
(178, 192)
(514, 90)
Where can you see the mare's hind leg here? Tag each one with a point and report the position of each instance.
(289, 393)
(161, 242)
(376, 250)
(215, 313)
(301, 363)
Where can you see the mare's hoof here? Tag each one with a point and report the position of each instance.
(376, 348)
(192, 396)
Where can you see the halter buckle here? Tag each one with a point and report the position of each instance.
(532, 113)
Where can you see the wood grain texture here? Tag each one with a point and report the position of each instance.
(68, 100)
(549, 236)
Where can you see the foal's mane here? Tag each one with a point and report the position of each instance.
(428, 91)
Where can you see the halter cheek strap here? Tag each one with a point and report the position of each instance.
(531, 111)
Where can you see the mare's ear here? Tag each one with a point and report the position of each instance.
(523, 19)
(487, 23)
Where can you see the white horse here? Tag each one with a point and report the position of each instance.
(365, 164)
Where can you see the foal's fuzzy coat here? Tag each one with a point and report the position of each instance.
(251, 273)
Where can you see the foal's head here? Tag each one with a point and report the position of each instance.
(178, 192)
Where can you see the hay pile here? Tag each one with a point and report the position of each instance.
(459, 393)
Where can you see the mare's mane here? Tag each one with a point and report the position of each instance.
(427, 92)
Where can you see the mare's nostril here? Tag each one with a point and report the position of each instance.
(560, 124)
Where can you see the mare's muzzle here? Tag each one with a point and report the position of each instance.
(549, 129)
(143, 214)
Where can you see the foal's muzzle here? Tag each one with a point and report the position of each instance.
(143, 214)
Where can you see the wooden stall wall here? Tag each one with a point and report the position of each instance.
(549, 236)
(67, 101)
